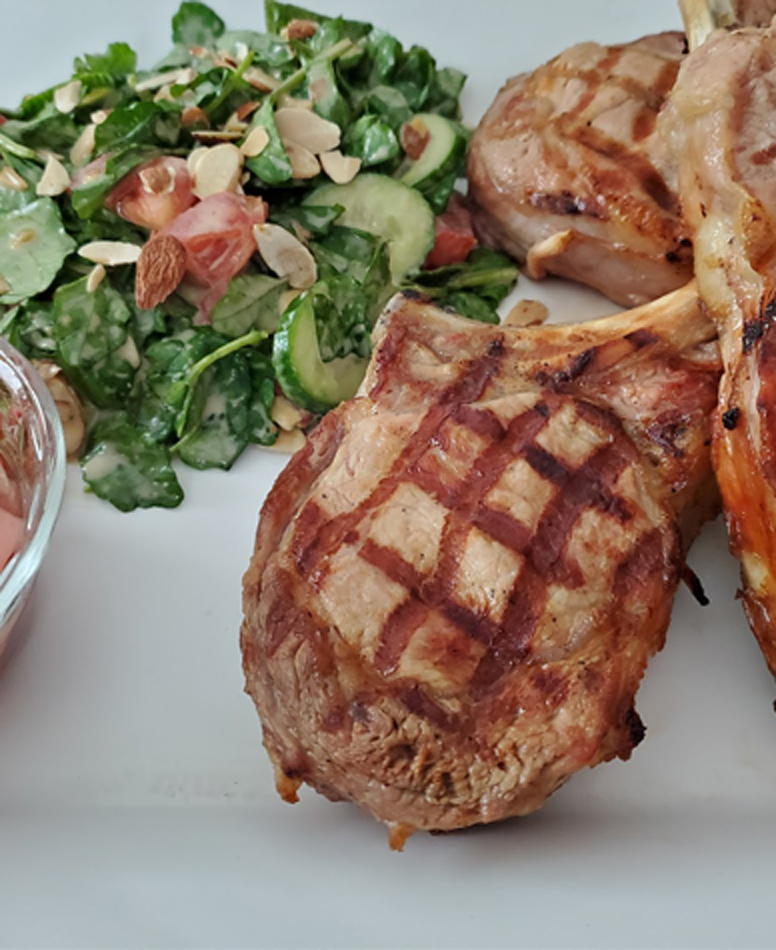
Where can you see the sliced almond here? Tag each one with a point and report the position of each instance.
(340, 168)
(301, 29)
(55, 179)
(414, 137)
(526, 313)
(285, 255)
(193, 160)
(67, 97)
(256, 77)
(218, 170)
(233, 124)
(216, 136)
(110, 253)
(157, 179)
(173, 77)
(307, 129)
(4, 286)
(291, 102)
(304, 164)
(160, 269)
(285, 414)
(11, 179)
(99, 116)
(256, 141)
(193, 115)
(83, 147)
(288, 443)
(95, 278)
(246, 109)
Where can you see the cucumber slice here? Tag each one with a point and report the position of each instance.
(302, 374)
(389, 209)
(445, 148)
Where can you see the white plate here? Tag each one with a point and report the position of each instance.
(136, 803)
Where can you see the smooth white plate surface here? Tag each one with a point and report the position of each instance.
(136, 803)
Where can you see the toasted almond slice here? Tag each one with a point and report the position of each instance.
(218, 170)
(216, 136)
(193, 159)
(95, 278)
(83, 147)
(340, 168)
(193, 115)
(260, 80)
(291, 102)
(304, 164)
(301, 29)
(67, 97)
(110, 253)
(160, 269)
(55, 179)
(4, 286)
(285, 414)
(285, 255)
(255, 143)
(233, 124)
(288, 442)
(11, 179)
(526, 313)
(307, 129)
(172, 77)
(157, 179)
(100, 115)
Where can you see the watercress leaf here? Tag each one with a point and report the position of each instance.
(437, 191)
(389, 104)
(279, 15)
(470, 305)
(324, 91)
(48, 129)
(385, 51)
(346, 250)
(140, 123)
(119, 61)
(33, 247)
(94, 345)
(252, 301)
(218, 415)
(261, 429)
(268, 51)
(196, 25)
(128, 469)
(445, 92)
(414, 76)
(29, 329)
(272, 166)
(371, 140)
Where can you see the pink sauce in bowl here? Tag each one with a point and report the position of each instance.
(32, 478)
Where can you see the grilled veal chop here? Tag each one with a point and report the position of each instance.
(458, 582)
(724, 129)
(566, 171)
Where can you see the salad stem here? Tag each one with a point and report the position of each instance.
(327, 56)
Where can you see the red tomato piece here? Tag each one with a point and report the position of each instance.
(454, 235)
(154, 194)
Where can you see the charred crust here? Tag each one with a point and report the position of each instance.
(752, 333)
(730, 418)
(638, 339)
(695, 586)
(635, 727)
(563, 202)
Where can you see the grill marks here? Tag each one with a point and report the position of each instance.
(590, 486)
(577, 126)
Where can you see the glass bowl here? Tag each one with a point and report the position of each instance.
(32, 481)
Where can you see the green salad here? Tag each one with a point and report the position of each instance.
(201, 249)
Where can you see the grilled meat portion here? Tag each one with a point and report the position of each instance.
(458, 582)
(567, 173)
(723, 126)
(753, 12)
